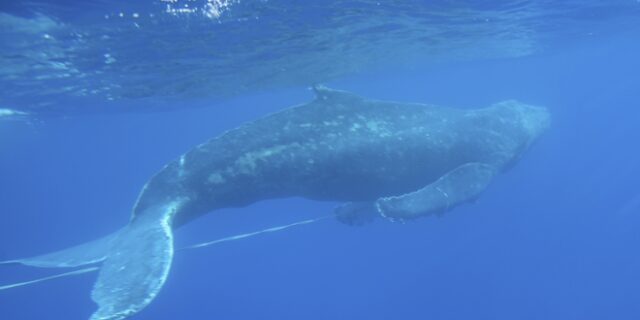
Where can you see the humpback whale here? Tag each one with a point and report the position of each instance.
(396, 160)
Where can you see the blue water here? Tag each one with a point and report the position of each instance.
(555, 237)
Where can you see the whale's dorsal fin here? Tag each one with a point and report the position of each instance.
(325, 94)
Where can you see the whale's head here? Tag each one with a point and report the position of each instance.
(526, 121)
(507, 129)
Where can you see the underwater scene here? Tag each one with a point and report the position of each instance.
(329, 159)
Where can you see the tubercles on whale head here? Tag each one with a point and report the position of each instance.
(532, 120)
(535, 120)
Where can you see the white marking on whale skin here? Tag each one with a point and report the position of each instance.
(446, 195)
(181, 166)
(248, 163)
(378, 127)
(216, 178)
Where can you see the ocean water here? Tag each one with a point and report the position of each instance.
(102, 94)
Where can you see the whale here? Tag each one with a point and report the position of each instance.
(379, 159)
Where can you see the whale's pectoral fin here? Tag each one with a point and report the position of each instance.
(356, 213)
(463, 184)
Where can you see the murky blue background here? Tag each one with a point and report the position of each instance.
(555, 237)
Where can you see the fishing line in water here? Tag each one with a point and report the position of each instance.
(195, 246)
(62, 275)
(251, 234)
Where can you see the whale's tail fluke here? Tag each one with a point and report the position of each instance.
(135, 263)
(80, 255)
(135, 269)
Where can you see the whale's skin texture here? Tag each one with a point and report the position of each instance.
(342, 147)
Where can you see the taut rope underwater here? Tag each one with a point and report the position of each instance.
(195, 246)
